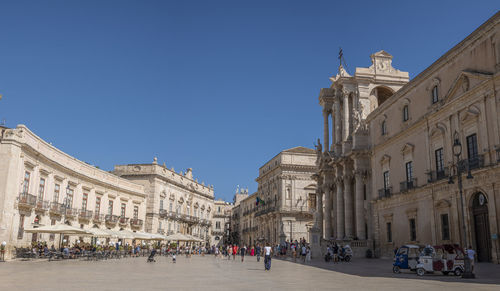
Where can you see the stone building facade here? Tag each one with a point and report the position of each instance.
(176, 202)
(282, 207)
(221, 220)
(385, 180)
(41, 185)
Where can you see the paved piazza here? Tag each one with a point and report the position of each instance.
(208, 273)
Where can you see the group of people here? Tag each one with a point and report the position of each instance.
(337, 253)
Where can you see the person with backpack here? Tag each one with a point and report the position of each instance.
(267, 256)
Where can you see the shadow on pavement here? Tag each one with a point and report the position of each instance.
(486, 273)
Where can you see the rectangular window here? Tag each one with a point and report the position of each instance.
(472, 151)
(413, 230)
(41, 189)
(85, 197)
(69, 197)
(97, 205)
(439, 160)
(110, 207)
(217, 224)
(435, 95)
(20, 231)
(159, 225)
(136, 212)
(123, 208)
(218, 209)
(364, 191)
(445, 227)
(57, 189)
(161, 204)
(170, 207)
(405, 113)
(169, 226)
(26, 182)
(389, 232)
(386, 180)
(409, 172)
(384, 128)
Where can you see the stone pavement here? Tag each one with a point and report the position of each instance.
(208, 273)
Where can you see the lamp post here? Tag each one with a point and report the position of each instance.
(457, 151)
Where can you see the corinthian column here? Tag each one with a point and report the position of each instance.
(319, 200)
(348, 205)
(340, 209)
(328, 211)
(360, 209)
(346, 116)
(326, 131)
(336, 108)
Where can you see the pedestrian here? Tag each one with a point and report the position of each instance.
(229, 252)
(235, 251)
(173, 258)
(471, 254)
(303, 252)
(257, 251)
(267, 256)
(308, 254)
(335, 253)
(242, 252)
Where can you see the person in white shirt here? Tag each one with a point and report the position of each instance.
(267, 256)
(471, 254)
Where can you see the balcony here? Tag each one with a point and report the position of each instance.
(385, 192)
(123, 221)
(407, 185)
(85, 215)
(71, 213)
(265, 210)
(218, 232)
(42, 206)
(26, 201)
(163, 213)
(136, 223)
(472, 163)
(56, 209)
(98, 218)
(160, 231)
(290, 210)
(435, 176)
(111, 219)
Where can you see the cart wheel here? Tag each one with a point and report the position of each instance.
(420, 271)
(445, 273)
(396, 270)
(458, 272)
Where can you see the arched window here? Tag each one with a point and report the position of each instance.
(435, 94)
(405, 113)
(384, 128)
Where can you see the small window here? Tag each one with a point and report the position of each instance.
(413, 230)
(57, 189)
(384, 127)
(409, 171)
(122, 210)
(110, 207)
(435, 94)
(405, 113)
(97, 205)
(439, 160)
(389, 232)
(386, 180)
(445, 227)
(85, 197)
(41, 189)
(136, 212)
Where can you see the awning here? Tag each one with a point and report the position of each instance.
(59, 228)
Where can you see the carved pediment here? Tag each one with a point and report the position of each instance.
(438, 131)
(407, 149)
(466, 81)
(470, 114)
(385, 159)
(442, 204)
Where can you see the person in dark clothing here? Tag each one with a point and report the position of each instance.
(258, 251)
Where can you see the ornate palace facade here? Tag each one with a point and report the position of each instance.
(390, 176)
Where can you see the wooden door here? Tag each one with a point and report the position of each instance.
(482, 233)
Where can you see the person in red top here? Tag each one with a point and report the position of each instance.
(235, 251)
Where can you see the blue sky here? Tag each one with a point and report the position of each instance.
(219, 86)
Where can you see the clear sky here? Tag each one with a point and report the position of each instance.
(218, 86)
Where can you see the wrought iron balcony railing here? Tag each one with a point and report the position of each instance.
(56, 208)
(434, 176)
(26, 200)
(111, 219)
(123, 221)
(136, 222)
(42, 205)
(385, 192)
(85, 214)
(98, 217)
(407, 185)
(71, 212)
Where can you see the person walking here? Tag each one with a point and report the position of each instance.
(308, 254)
(471, 254)
(257, 251)
(235, 251)
(242, 252)
(267, 257)
(303, 252)
(229, 252)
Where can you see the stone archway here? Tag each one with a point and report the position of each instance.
(481, 227)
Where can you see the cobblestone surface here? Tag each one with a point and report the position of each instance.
(208, 273)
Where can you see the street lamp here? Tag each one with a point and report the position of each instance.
(457, 151)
